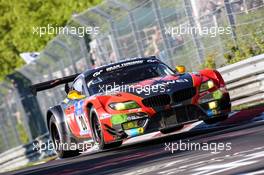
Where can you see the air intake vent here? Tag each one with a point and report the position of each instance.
(155, 101)
(184, 94)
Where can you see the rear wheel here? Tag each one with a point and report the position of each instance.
(171, 129)
(216, 119)
(98, 133)
(58, 141)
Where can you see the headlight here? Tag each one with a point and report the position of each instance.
(124, 105)
(206, 85)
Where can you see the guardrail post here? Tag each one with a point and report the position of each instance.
(3, 131)
(13, 123)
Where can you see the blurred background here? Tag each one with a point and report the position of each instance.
(127, 28)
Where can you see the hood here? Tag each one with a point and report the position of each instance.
(155, 86)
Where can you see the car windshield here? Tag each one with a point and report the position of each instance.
(127, 75)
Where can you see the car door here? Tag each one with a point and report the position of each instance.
(77, 120)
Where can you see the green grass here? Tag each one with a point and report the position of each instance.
(248, 106)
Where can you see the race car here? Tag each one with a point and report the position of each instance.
(112, 103)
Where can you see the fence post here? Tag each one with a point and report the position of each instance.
(114, 38)
(136, 34)
(101, 50)
(231, 20)
(134, 27)
(196, 39)
(115, 42)
(69, 52)
(161, 28)
(85, 53)
(24, 119)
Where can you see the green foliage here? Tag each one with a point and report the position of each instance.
(250, 37)
(210, 61)
(19, 17)
(22, 133)
(246, 49)
(254, 45)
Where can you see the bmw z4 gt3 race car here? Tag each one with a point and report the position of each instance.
(111, 103)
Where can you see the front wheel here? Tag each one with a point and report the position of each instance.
(215, 119)
(60, 146)
(98, 133)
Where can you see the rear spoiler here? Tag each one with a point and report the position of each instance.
(52, 83)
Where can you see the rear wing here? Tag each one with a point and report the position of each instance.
(51, 84)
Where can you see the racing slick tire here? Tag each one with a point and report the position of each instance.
(98, 133)
(171, 129)
(216, 119)
(58, 141)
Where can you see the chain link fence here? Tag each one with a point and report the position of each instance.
(127, 28)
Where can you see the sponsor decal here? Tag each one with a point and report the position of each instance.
(97, 73)
(134, 117)
(135, 132)
(105, 116)
(135, 110)
(70, 117)
(118, 118)
(118, 66)
(66, 100)
(78, 107)
(82, 123)
(152, 61)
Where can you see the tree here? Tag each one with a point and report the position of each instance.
(19, 18)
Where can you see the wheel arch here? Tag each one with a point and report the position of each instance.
(213, 74)
(89, 106)
(57, 112)
(59, 116)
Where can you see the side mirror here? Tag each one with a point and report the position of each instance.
(67, 88)
(75, 95)
(180, 69)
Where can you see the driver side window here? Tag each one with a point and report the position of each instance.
(78, 86)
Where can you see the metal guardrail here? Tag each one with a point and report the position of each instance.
(245, 80)
(22, 155)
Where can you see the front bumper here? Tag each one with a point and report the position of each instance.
(141, 123)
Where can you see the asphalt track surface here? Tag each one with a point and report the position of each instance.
(235, 146)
